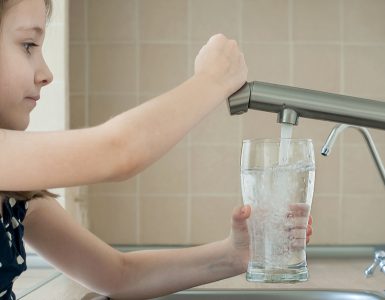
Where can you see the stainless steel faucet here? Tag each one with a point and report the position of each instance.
(326, 149)
(291, 103)
(379, 260)
(379, 256)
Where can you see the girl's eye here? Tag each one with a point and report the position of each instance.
(28, 46)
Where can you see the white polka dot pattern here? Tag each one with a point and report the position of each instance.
(12, 202)
(15, 223)
(19, 260)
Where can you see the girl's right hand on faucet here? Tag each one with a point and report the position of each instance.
(222, 62)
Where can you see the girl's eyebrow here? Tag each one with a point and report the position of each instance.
(36, 29)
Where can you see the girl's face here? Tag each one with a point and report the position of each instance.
(23, 71)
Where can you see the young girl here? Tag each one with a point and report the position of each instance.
(31, 162)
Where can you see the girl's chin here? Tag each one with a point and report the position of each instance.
(21, 126)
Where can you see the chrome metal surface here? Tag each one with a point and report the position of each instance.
(276, 295)
(288, 116)
(308, 104)
(240, 100)
(326, 149)
(379, 261)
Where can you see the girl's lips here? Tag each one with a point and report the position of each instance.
(36, 98)
(32, 100)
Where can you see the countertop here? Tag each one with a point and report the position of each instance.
(325, 273)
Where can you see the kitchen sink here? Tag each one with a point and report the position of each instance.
(276, 295)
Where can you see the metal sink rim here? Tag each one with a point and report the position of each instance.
(303, 293)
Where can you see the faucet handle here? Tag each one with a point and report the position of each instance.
(379, 260)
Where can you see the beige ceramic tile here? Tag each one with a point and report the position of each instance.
(163, 20)
(114, 219)
(112, 20)
(214, 16)
(363, 220)
(76, 18)
(104, 107)
(315, 20)
(211, 218)
(260, 124)
(169, 175)
(317, 67)
(163, 220)
(265, 21)
(360, 175)
(215, 169)
(121, 188)
(364, 20)
(113, 68)
(364, 70)
(268, 63)
(326, 215)
(162, 67)
(77, 68)
(353, 136)
(77, 111)
(327, 179)
(218, 127)
(316, 130)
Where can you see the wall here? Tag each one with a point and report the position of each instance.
(124, 52)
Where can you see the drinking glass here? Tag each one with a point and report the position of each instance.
(277, 179)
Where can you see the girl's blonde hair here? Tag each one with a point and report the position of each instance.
(22, 195)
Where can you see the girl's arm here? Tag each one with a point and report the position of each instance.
(134, 275)
(128, 143)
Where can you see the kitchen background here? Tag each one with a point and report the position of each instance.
(123, 52)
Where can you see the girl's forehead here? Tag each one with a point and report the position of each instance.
(24, 14)
(26, 7)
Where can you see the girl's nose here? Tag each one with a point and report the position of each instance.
(43, 75)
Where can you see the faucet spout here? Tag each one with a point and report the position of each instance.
(308, 104)
(326, 149)
(288, 116)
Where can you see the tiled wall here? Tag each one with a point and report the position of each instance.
(123, 52)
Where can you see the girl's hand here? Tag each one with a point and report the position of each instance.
(309, 229)
(222, 62)
(239, 237)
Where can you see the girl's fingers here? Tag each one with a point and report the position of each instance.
(241, 213)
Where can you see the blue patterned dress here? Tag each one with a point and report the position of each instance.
(12, 252)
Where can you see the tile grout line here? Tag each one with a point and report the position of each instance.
(256, 43)
(87, 62)
(240, 118)
(137, 87)
(342, 144)
(291, 46)
(84, 208)
(189, 143)
(241, 43)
